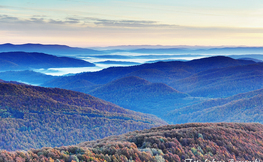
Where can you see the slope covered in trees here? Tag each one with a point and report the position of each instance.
(218, 142)
(222, 82)
(35, 117)
(246, 107)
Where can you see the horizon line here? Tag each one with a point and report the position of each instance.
(134, 45)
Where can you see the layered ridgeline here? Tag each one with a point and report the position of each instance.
(27, 61)
(35, 117)
(203, 142)
(245, 107)
(164, 72)
(209, 77)
(159, 88)
(162, 87)
(212, 77)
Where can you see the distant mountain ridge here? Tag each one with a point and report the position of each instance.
(67, 50)
(220, 51)
(29, 61)
(49, 49)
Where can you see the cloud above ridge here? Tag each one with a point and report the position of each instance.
(101, 30)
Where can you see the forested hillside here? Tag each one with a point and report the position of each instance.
(35, 117)
(222, 82)
(245, 107)
(219, 142)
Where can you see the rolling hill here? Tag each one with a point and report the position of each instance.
(218, 142)
(138, 94)
(35, 117)
(245, 107)
(28, 61)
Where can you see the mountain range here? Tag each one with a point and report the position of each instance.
(165, 72)
(167, 86)
(56, 49)
(141, 98)
(164, 86)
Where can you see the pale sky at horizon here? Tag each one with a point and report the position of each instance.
(87, 23)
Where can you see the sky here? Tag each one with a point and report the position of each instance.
(92, 23)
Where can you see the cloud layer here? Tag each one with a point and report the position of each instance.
(111, 22)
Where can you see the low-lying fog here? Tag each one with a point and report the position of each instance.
(117, 59)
